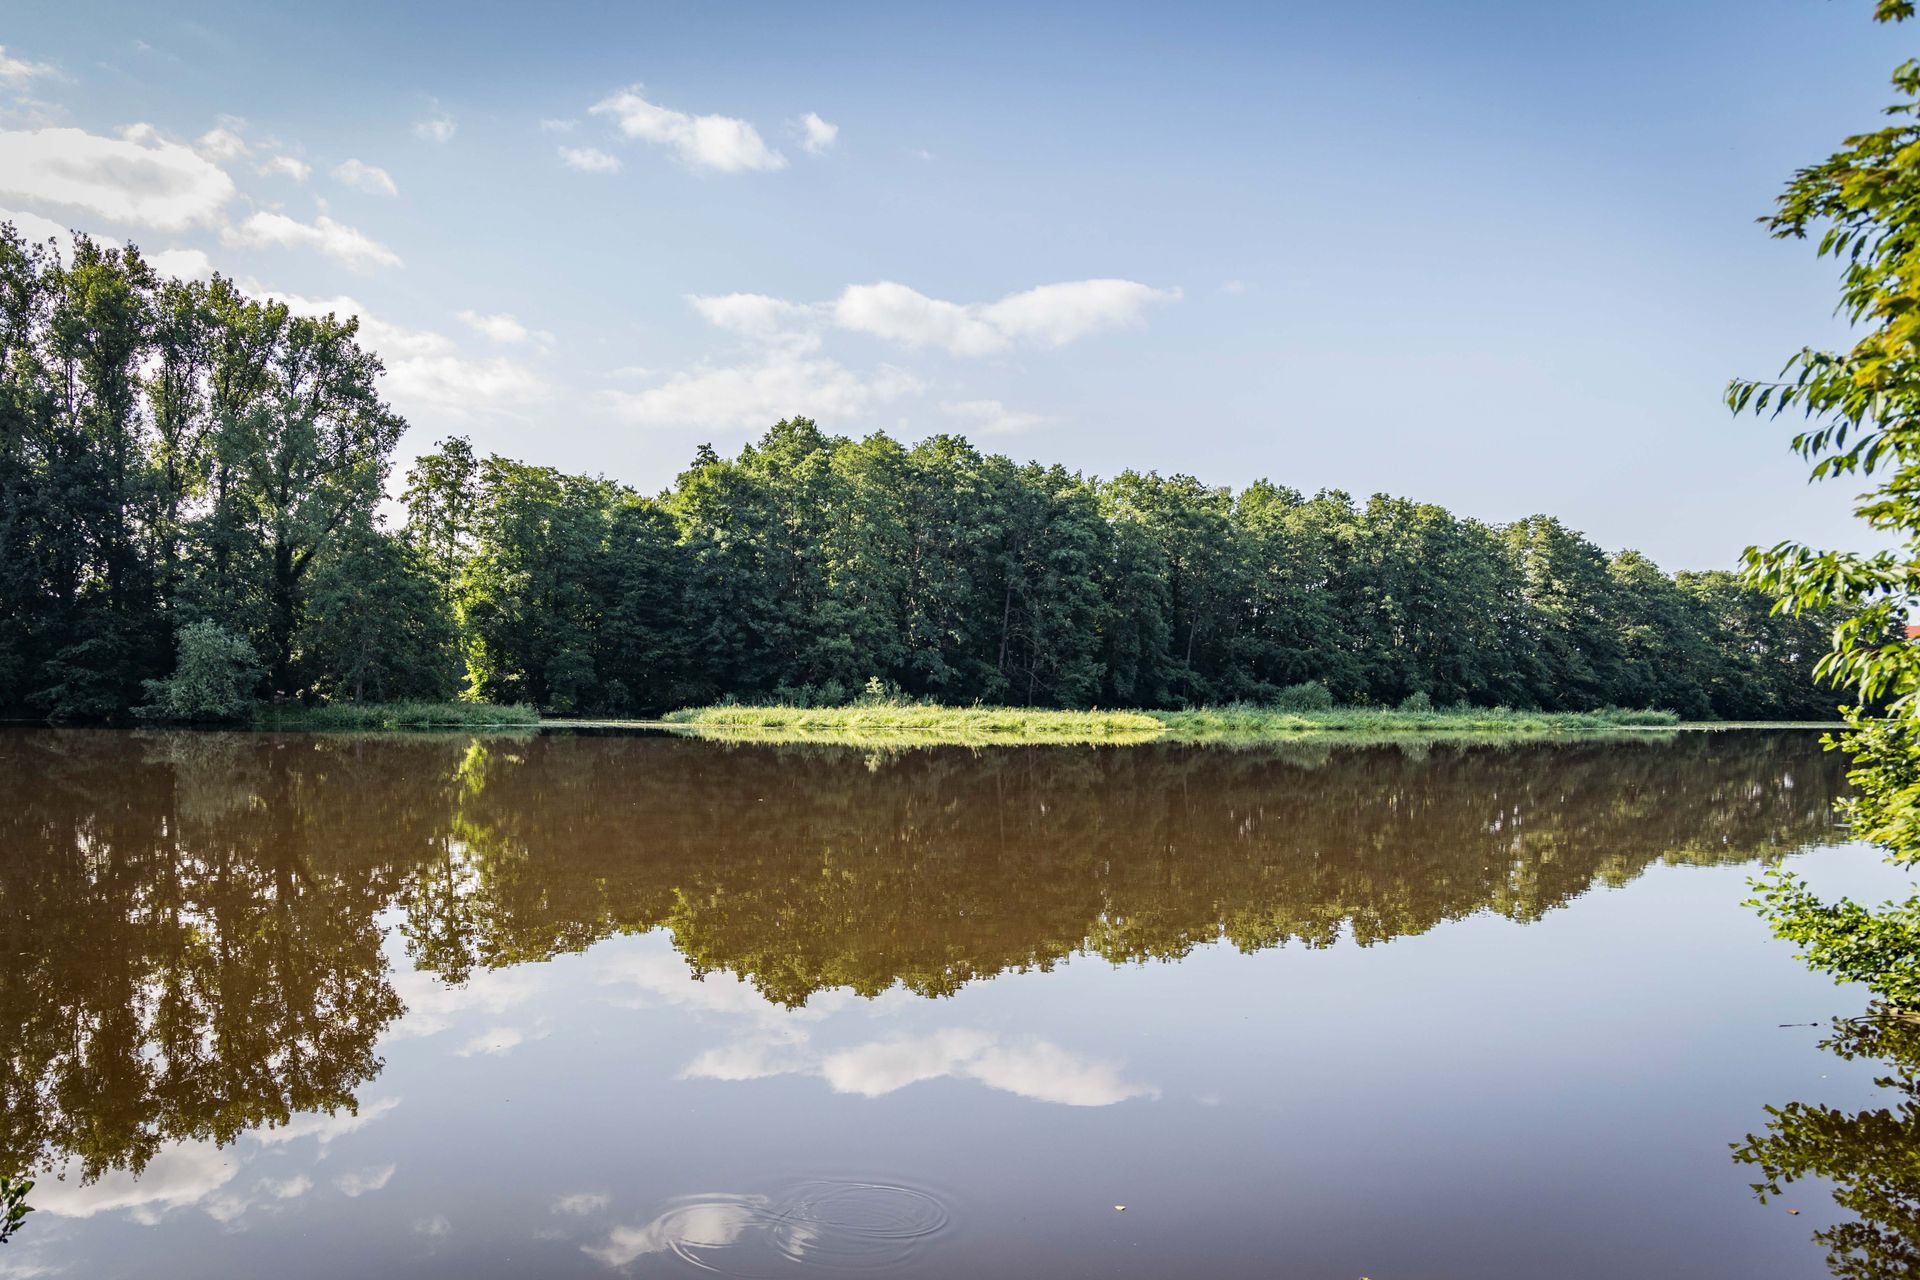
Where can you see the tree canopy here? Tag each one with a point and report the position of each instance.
(177, 457)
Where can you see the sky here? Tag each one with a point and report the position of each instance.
(1501, 256)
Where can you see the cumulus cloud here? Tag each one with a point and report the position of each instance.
(991, 418)
(1033, 1069)
(900, 314)
(437, 127)
(1051, 315)
(754, 315)
(693, 1225)
(430, 379)
(184, 1174)
(499, 328)
(361, 1181)
(335, 239)
(184, 264)
(285, 167)
(721, 143)
(138, 178)
(817, 136)
(582, 1203)
(365, 177)
(18, 71)
(779, 383)
(589, 160)
(222, 144)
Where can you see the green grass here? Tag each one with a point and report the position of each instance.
(397, 715)
(894, 724)
(1241, 721)
(889, 723)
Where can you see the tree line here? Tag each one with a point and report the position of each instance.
(191, 493)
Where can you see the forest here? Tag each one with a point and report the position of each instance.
(195, 515)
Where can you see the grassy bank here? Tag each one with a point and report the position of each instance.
(396, 715)
(893, 723)
(899, 723)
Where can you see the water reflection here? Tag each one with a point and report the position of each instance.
(1870, 1158)
(196, 920)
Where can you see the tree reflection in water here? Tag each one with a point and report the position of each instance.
(196, 921)
(1870, 1158)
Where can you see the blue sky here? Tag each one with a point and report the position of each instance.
(1499, 256)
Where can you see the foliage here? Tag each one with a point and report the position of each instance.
(214, 678)
(879, 721)
(1862, 407)
(13, 1205)
(175, 452)
(1870, 1158)
(398, 715)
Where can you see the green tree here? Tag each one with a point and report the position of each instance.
(1863, 410)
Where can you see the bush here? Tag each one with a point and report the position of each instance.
(214, 676)
(1311, 696)
(1418, 701)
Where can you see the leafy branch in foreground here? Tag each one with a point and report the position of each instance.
(13, 1205)
(1863, 410)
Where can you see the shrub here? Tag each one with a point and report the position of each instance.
(214, 675)
(1311, 696)
(1418, 700)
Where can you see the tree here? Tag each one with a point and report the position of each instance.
(1862, 406)
(213, 677)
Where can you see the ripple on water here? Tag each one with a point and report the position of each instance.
(820, 1223)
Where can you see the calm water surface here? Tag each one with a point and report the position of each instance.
(577, 1006)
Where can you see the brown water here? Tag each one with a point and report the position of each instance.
(564, 1006)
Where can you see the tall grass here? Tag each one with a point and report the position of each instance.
(895, 723)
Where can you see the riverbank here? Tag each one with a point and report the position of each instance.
(339, 716)
(969, 726)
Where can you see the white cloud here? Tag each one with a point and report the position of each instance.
(185, 264)
(899, 314)
(286, 167)
(818, 135)
(753, 315)
(589, 160)
(991, 418)
(559, 126)
(437, 127)
(705, 1222)
(435, 1228)
(291, 1189)
(429, 379)
(721, 143)
(358, 1183)
(502, 328)
(1035, 1069)
(17, 71)
(335, 239)
(365, 177)
(1050, 315)
(138, 178)
(1234, 286)
(582, 1203)
(39, 230)
(221, 145)
(778, 384)
(184, 1174)
(323, 1127)
(1056, 314)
